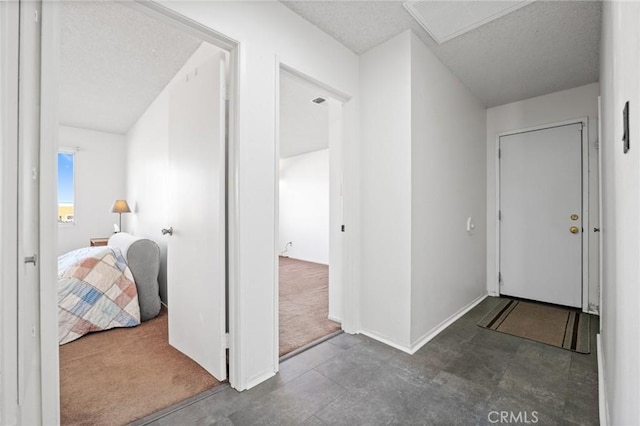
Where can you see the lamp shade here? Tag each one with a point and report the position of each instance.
(120, 206)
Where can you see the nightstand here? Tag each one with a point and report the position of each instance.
(98, 242)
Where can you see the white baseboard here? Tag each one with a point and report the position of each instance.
(444, 324)
(258, 378)
(603, 404)
(335, 319)
(429, 335)
(385, 340)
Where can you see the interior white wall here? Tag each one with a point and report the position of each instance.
(448, 172)
(147, 144)
(304, 206)
(620, 319)
(385, 293)
(552, 108)
(100, 178)
(268, 32)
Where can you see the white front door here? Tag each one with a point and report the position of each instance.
(541, 215)
(196, 250)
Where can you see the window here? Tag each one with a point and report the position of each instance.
(66, 187)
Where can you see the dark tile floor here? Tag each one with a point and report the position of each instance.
(467, 375)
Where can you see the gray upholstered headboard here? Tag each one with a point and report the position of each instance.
(143, 258)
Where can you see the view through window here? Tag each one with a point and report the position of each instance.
(66, 166)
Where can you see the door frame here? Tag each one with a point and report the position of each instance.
(234, 48)
(281, 66)
(600, 215)
(9, 77)
(50, 382)
(494, 288)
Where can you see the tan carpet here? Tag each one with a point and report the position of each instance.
(117, 376)
(304, 304)
(554, 325)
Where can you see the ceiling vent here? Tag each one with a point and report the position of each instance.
(318, 100)
(444, 20)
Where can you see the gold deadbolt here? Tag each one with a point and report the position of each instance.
(574, 230)
(574, 217)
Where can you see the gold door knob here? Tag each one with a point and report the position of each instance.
(574, 217)
(574, 230)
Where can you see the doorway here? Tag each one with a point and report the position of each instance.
(542, 214)
(50, 108)
(309, 216)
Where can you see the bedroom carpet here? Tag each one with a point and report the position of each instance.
(117, 376)
(554, 325)
(304, 304)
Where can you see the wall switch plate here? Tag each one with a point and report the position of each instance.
(625, 127)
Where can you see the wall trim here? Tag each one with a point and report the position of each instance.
(335, 319)
(9, 77)
(603, 405)
(386, 341)
(444, 324)
(413, 348)
(256, 379)
(49, 145)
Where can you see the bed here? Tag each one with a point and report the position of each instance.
(100, 288)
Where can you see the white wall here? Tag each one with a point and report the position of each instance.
(620, 319)
(304, 206)
(147, 167)
(100, 179)
(555, 107)
(385, 294)
(423, 171)
(448, 172)
(268, 32)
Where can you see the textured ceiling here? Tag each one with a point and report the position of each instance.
(541, 48)
(114, 61)
(304, 125)
(445, 20)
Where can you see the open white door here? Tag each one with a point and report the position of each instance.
(196, 247)
(541, 215)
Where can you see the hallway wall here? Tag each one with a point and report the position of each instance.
(423, 176)
(620, 320)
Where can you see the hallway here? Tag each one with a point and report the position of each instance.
(466, 375)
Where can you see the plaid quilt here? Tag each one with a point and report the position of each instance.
(96, 292)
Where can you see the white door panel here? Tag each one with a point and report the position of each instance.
(196, 250)
(540, 190)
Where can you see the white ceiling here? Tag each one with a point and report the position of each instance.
(445, 20)
(541, 48)
(114, 61)
(304, 125)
